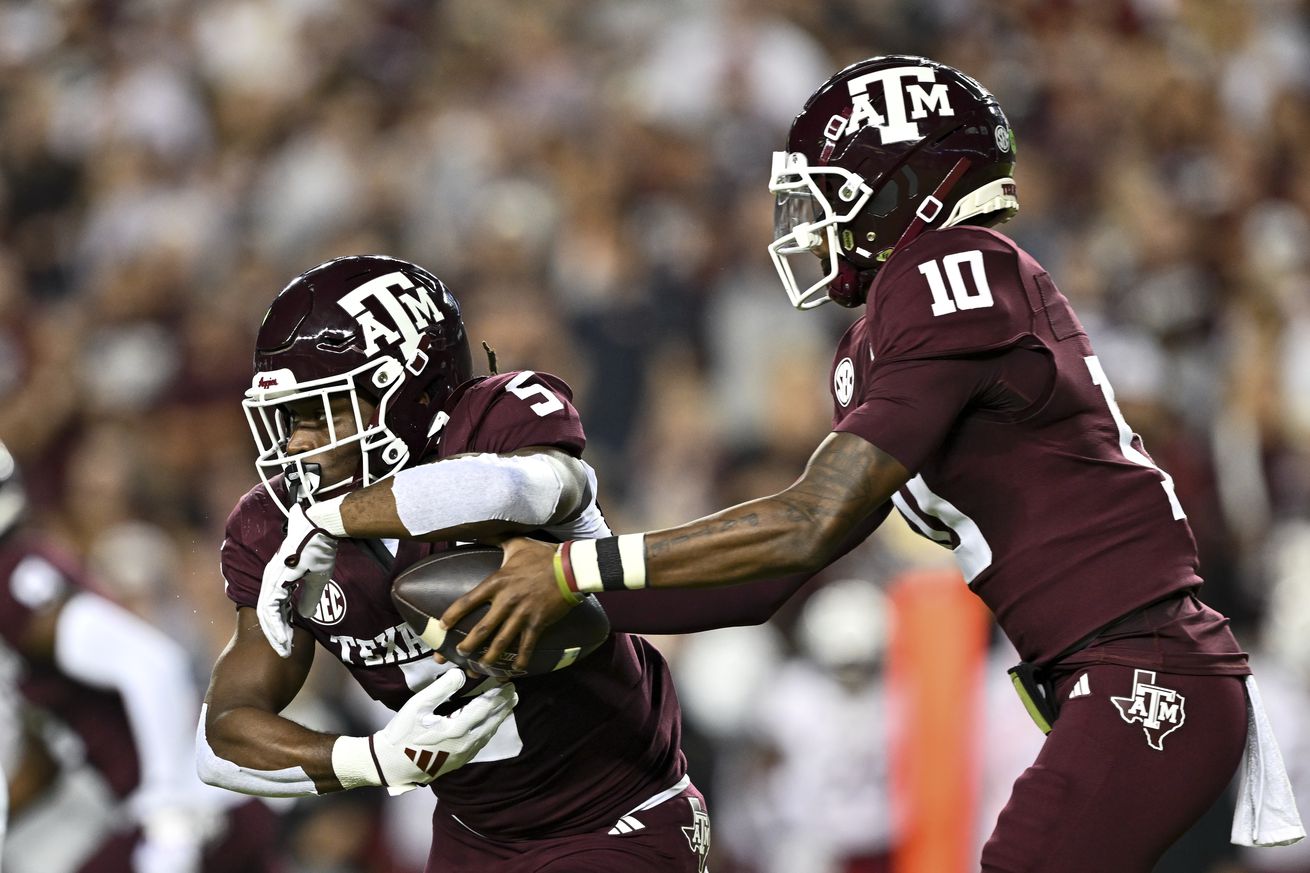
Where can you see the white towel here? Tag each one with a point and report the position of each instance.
(1266, 810)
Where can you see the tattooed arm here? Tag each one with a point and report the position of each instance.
(798, 529)
(795, 530)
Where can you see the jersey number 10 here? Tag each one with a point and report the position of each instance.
(960, 296)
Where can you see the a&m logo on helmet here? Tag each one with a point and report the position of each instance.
(409, 308)
(908, 93)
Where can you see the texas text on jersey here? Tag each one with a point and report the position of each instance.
(1025, 467)
(584, 745)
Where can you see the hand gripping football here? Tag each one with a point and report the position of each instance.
(424, 591)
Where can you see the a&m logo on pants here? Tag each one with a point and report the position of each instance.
(698, 833)
(1160, 710)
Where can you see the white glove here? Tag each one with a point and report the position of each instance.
(306, 557)
(417, 745)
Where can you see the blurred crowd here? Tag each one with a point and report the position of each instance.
(589, 178)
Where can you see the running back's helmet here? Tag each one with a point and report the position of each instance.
(13, 500)
(884, 150)
(365, 327)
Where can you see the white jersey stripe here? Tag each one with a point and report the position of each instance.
(973, 554)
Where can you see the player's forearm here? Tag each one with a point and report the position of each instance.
(756, 540)
(800, 529)
(253, 751)
(469, 497)
(687, 611)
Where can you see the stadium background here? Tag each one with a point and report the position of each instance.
(589, 179)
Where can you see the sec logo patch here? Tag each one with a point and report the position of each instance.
(843, 381)
(331, 606)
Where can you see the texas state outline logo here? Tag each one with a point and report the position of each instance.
(1159, 710)
(698, 832)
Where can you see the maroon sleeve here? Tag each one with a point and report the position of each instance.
(691, 610)
(253, 529)
(512, 411)
(911, 405)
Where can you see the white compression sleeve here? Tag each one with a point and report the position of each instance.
(104, 645)
(520, 488)
(222, 773)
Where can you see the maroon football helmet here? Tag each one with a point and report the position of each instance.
(884, 150)
(369, 327)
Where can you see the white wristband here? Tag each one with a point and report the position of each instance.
(353, 762)
(605, 564)
(327, 515)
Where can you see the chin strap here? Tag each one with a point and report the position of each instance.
(850, 286)
(932, 205)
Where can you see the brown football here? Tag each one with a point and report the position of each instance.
(424, 591)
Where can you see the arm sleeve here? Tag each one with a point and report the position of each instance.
(525, 489)
(222, 773)
(691, 610)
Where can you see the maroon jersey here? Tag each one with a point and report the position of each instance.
(972, 370)
(36, 578)
(584, 745)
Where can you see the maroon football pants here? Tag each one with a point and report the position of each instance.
(672, 837)
(1135, 758)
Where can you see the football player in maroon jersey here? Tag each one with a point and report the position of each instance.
(363, 382)
(100, 776)
(969, 396)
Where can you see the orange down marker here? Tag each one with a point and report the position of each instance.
(938, 645)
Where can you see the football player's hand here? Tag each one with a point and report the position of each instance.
(306, 558)
(417, 745)
(524, 599)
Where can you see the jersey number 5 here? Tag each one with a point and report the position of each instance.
(549, 402)
(960, 296)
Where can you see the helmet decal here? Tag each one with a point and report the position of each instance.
(409, 312)
(908, 93)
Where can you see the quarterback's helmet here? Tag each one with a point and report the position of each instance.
(366, 327)
(884, 150)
